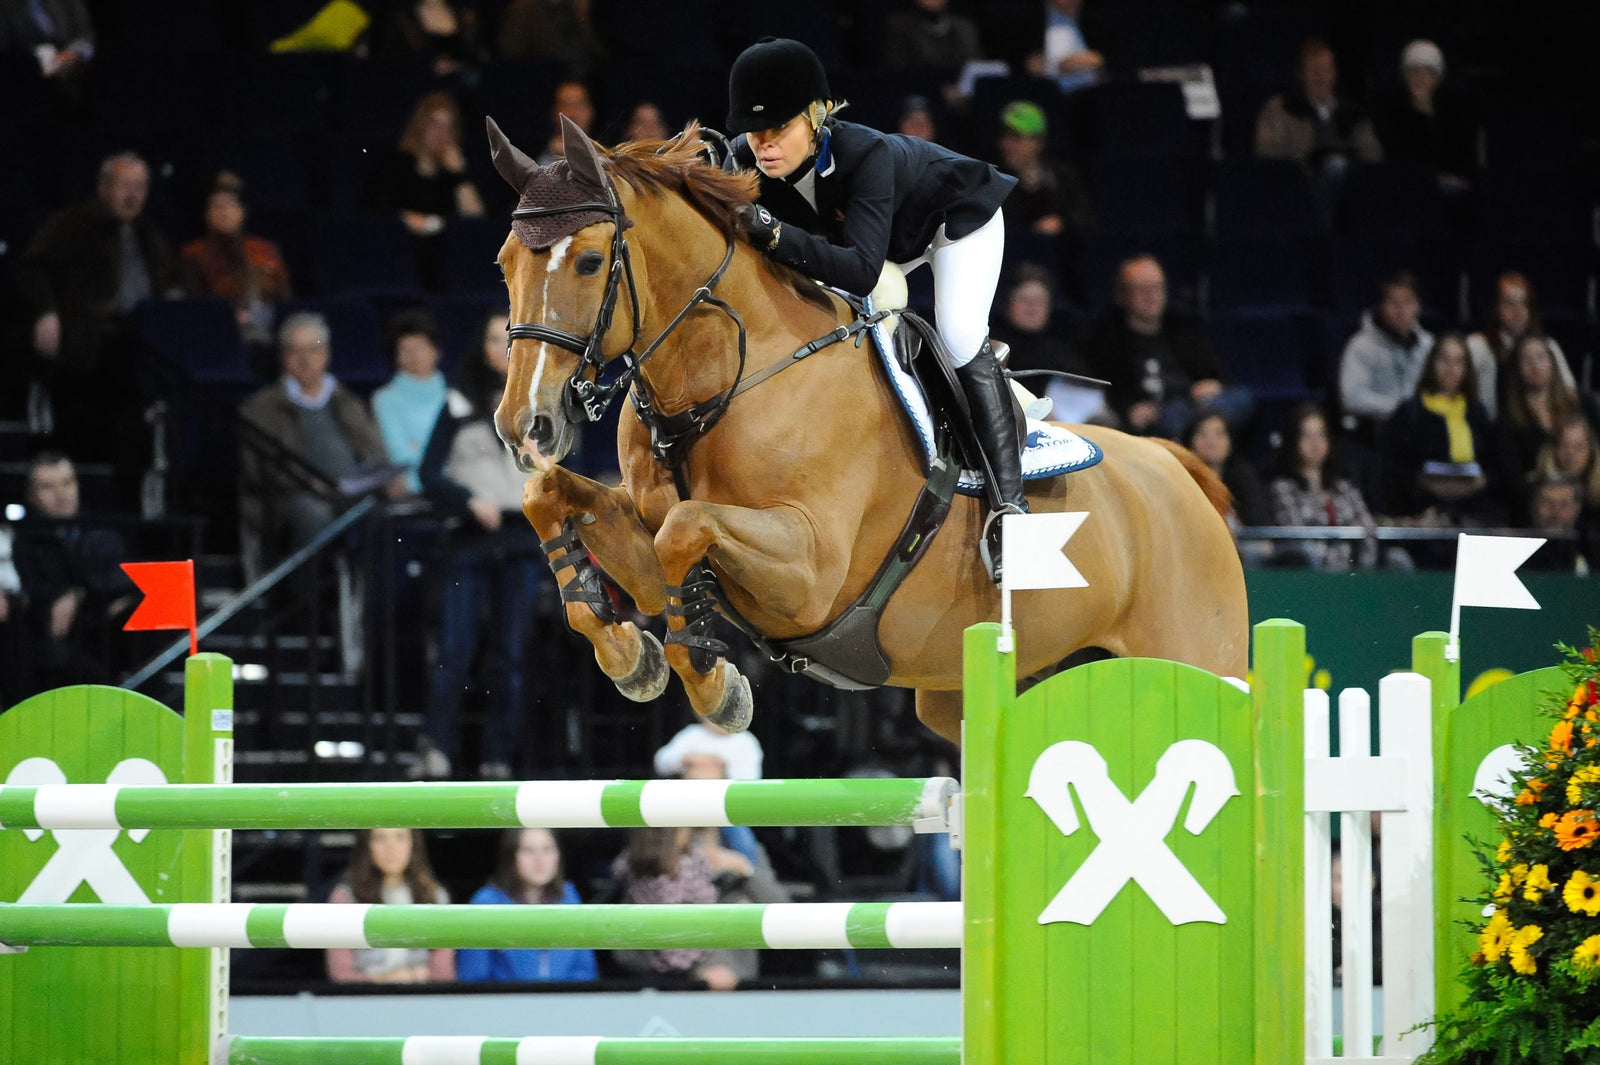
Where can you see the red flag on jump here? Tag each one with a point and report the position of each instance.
(168, 589)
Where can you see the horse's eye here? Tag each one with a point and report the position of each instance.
(589, 263)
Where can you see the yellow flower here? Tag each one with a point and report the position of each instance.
(1495, 937)
(1589, 774)
(1503, 890)
(1549, 820)
(1575, 829)
(1502, 853)
(1537, 884)
(1587, 957)
(1582, 894)
(1521, 940)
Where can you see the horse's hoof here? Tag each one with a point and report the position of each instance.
(738, 705)
(648, 678)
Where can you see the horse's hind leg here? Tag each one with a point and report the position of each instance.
(559, 504)
(768, 553)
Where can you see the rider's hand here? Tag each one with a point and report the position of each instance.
(760, 225)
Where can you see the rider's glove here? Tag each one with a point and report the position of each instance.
(761, 226)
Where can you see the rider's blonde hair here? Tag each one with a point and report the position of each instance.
(819, 111)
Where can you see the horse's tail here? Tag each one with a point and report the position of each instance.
(1209, 482)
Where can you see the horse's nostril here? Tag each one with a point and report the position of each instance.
(542, 429)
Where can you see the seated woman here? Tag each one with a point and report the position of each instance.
(409, 404)
(1309, 489)
(228, 263)
(1211, 442)
(490, 557)
(1574, 454)
(1515, 315)
(390, 866)
(1533, 402)
(425, 180)
(528, 873)
(1436, 444)
(664, 865)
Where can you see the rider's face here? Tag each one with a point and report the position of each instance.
(780, 150)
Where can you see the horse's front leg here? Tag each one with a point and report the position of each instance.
(771, 554)
(575, 516)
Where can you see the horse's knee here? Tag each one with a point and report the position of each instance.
(685, 535)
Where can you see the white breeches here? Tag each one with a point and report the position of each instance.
(965, 275)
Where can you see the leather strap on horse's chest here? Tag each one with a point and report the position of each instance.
(846, 653)
(672, 434)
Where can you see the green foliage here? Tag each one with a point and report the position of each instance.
(1534, 983)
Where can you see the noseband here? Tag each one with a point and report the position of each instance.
(586, 398)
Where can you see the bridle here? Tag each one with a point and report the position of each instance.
(586, 397)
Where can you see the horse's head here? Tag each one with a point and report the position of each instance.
(564, 264)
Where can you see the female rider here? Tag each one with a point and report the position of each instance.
(838, 200)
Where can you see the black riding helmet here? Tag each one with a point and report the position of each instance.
(772, 81)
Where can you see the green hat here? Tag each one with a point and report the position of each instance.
(1024, 117)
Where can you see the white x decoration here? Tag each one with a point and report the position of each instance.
(1132, 835)
(84, 856)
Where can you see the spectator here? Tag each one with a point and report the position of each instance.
(555, 30)
(930, 37)
(701, 751)
(1382, 361)
(569, 100)
(1317, 127)
(528, 873)
(1515, 315)
(1160, 364)
(305, 419)
(1210, 440)
(1534, 402)
(438, 31)
(70, 573)
(390, 866)
(228, 263)
(645, 123)
(1437, 442)
(406, 408)
(58, 33)
(1049, 201)
(426, 181)
(1309, 490)
(1423, 122)
(1573, 453)
(1067, 56)
(663, 866)
(85, 269)
(1025, 325)
(489, 559)
(916, 119)
(1556, 506)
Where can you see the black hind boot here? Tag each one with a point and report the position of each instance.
(994, 420)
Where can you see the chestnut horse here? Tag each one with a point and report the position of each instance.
(795, 492)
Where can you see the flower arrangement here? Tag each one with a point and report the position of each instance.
(1534, 982)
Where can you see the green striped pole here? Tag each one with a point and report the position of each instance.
(584, 1050)
(538, 804)
(655, 927)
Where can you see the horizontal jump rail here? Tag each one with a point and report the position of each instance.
(919, 802)
(585, 1050)
(777, 926)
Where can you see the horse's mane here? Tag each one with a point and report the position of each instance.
(677, 166)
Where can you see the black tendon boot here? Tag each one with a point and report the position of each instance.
(994, 419)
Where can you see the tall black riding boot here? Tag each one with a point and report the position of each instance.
(994, 419)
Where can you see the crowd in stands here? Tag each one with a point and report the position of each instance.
(1348, 256)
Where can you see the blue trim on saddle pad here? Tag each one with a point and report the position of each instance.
(1051, 449)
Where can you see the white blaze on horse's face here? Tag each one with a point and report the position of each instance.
(561, 287)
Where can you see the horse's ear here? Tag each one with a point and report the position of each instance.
(583, 158)
(513, 164)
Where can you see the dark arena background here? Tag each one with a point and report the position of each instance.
(1301, 204)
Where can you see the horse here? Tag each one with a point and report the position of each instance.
(791, 495)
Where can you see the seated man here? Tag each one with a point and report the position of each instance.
(1162, 370)
(301, 436)
(77, 594)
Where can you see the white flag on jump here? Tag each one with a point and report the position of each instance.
(1486, 575)
(1033, 552)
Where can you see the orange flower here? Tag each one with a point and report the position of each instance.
(1561, 737)
(1576, 828)
(1530, 794)
(1549, 820)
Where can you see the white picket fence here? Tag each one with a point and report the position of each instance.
(1397, 784)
